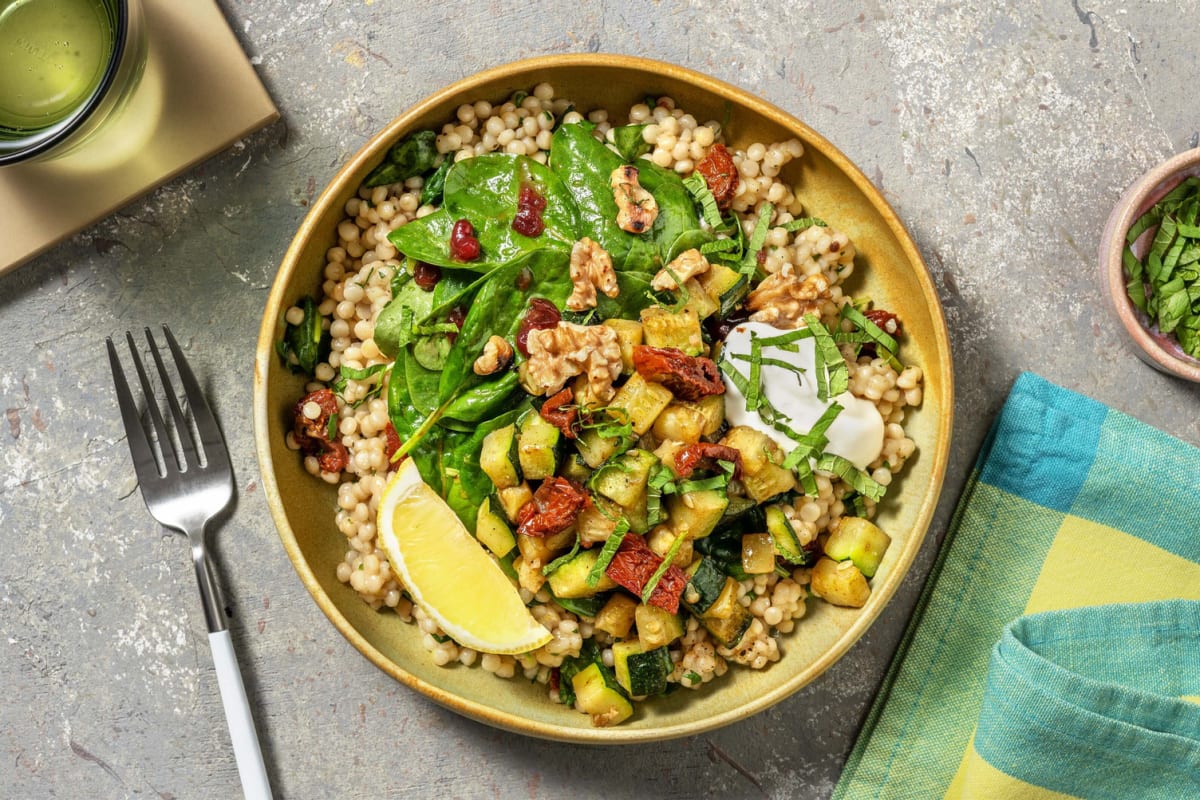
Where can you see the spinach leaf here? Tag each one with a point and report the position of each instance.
(406, 417)
(629, 141)
(305, 345)
(585, 165)
(497, 310)
(633, 297)
(465, 485)
(485, 190)
(431, 192)
(414, 155)
(422, 385)
(678, 225)
(410, 306)
(482, 400)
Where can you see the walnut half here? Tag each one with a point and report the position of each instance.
(591, 269)
(560, 353)
(497, 354)
(636, 208)
(783, 300)
(686, 266)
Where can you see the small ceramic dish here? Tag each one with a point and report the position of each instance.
(1158, 350)
(892, 273)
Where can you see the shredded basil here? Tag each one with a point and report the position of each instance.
(563, 559)
(698, 189)
(332, 427)
(833, 376)
(607, 552)
(855, 478)
(804, 223)
(757, 240)
(652, 584)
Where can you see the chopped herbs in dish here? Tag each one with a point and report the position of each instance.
(624, 357)
(1164, 283)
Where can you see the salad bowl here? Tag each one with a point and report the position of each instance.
(888, 269)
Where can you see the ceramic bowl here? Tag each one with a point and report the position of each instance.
(889, 270)
(1159, 351)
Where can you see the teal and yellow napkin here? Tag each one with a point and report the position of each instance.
(1055, 650)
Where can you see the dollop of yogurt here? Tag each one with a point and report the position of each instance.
(856, 433)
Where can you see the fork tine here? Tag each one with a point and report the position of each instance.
(144, 462)
(160, 429)
(210, 432)
(182, 429)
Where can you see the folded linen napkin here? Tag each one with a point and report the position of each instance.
(1092, 518)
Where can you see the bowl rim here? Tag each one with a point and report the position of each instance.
(265, 353)
(1143, 193)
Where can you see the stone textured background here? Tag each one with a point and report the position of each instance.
(1001, 135)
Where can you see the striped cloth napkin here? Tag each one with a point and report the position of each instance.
(1055, 650)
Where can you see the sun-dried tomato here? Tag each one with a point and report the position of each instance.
(554, 507)
(721, 175)
(885, 320)
(542, 314)
(634, 564)
(312, 434)
(704, 455)
(561, 412)
(391, 446)
(555, 679)
(688, 377)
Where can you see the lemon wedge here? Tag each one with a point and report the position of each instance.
(448, 573)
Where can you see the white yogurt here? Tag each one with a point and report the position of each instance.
(856, 433)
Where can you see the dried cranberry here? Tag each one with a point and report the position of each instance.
(721, 175)
(688, 377)
(530, 205)
(542, 314)
(426, 275)
(524, 279)
(553, 509)
(457, 316)
(463, 244)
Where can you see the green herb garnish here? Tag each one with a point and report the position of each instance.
(305, 345)
(652, 584)
(804, 223)
(698, 189)
(611, 545)
(1163, 284)
(854, 477)
(558, 562)
(757, 240)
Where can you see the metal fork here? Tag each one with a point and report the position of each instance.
(186, 482)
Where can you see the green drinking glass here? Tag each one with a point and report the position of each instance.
(66, 67)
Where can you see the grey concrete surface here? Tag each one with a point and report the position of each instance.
(1002, 134)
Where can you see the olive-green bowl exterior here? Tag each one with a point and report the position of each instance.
(889, 270)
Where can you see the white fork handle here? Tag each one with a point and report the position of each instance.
(251, 769)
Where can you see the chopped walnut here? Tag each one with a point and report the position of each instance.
(562, 352)
(497, 354)
(783, 300)
(591, 269)
(686, 266)
(636, 208)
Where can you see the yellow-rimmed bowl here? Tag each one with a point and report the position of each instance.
(889, 270)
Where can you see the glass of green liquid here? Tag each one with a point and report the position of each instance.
(66, 66)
